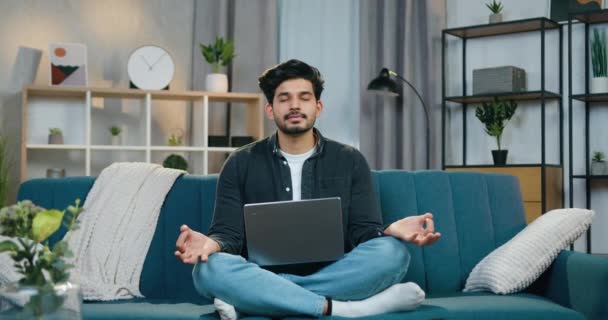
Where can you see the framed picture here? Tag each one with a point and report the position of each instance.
(68, 62)
(561, 8)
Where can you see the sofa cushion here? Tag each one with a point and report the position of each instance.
(133, 309)
(459, 306)
(489, 204)
(519, 262)
(483, 306)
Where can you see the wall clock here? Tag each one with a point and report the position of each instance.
(150, 68)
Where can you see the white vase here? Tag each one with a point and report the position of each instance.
(496, 18)
(216, 82)
(55, 138)
(599, 168)
(116, 140)
(598, 85)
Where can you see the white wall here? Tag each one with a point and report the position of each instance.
(522, 135)
(111, 30)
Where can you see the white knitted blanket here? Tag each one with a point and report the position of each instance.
(116, 228)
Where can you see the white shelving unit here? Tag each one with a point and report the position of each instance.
(42, 94)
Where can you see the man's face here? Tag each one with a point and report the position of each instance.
(294, 107)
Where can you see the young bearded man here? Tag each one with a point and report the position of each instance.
(295, 163)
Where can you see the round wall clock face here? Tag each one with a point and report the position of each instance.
(150, 68)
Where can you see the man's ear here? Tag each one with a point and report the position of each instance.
(319, 107)
(268, 110)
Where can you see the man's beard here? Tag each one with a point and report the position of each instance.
(294, 131)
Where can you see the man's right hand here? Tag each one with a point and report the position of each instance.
(192, 245)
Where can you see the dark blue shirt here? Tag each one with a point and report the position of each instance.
(259, 173)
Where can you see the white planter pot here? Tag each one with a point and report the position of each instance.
(598, 85)
(599, 168)
(216, 82)
(496, 18)
(55, 138)
(116, 140)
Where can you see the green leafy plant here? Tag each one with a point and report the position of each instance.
(598, 156)
(5, 166)
(42, 267)
(495, 7)
(495, 115)
(175, 140)
(175, 161)
(219, 53)
(55, 131)
(599, 59)
(115, 131)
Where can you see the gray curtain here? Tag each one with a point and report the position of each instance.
(252, 24)
(404, 36)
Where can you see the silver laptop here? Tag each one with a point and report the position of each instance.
(294, 232)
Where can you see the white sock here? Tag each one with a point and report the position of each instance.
(226, 311)
(399, 297)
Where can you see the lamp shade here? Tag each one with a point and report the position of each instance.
(383, 84)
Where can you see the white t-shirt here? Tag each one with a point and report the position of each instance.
(296, 162)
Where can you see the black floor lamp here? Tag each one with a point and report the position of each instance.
(386, 86)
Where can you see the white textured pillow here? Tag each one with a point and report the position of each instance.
(519, 262)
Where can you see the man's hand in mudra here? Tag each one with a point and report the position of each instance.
(419, 230)
(192, 246)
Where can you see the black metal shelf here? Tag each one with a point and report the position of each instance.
(528, 95)
(505, 166)
(592, 17)
(590, 177)
(588, 19)
(592, 97)
(503, 28)
(543, 26)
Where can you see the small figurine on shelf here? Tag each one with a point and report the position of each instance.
(598, 164)
(55, 136)
(116, 137)
(176, 161)
(496, 8)
(176, 138)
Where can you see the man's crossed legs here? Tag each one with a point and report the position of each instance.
(365, 282)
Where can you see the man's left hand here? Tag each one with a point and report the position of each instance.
(419, 230)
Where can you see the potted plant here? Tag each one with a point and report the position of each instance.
(219, 54)
(176, 161)
(496, 9)
(598, 164)
(116, 137)
(495, 116)
(43, 289)
(5, 167)
(55, 136)
(599, 62)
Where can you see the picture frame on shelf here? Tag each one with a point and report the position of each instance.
(68, 64)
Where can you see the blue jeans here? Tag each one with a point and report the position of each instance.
(368, 269)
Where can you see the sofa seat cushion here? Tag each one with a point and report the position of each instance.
(133, 309)
(483, 306)
(458, 306)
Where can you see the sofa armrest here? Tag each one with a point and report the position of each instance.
(579, 281)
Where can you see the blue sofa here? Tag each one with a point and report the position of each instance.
(475, 213)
